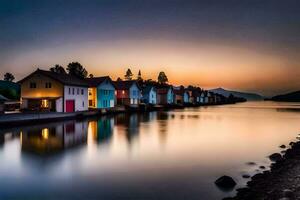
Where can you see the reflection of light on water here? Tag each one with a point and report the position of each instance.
(90, 134)
(21, 136)
(45, 133)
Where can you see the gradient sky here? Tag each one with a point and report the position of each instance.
(248, 45)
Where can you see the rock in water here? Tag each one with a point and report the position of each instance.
(275, 157)
(225, 182)
(251, 163)
(246, 176)
(282, 146)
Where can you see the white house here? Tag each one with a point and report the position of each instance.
(50, 91)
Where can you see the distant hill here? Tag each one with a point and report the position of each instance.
(248, 96)
(290, 97)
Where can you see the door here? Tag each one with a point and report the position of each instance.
(112, 103)
(70, 105)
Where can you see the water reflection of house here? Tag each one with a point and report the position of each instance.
(131, 124)
(102, 129)
(53, 138)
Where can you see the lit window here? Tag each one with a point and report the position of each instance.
(45, 103)
(123, 91)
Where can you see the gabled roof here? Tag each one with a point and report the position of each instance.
(179, 90)
(125, 85)
(65, 79)
(164, 89)
(147, 89)
(94, 82)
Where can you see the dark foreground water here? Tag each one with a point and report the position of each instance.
(157, 155)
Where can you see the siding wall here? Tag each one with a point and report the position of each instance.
(81, 100)
(105, 95)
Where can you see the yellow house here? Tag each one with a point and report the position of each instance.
(46, 90)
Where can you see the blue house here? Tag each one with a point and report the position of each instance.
(186, 96)
(149, 94)
(101, 92)
(128, 93)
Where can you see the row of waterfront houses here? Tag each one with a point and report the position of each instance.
(46, 90)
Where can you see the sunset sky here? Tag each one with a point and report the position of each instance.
(247, 45)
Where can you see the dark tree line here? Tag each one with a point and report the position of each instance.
(73, 68)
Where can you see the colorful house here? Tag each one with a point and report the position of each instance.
(196, 94)
(149, 95)
(186, 96)
(50, 91)
(165, 95)
(101, 92)
(178, 95)
(128, 93)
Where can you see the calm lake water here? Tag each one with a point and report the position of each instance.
(158, 155)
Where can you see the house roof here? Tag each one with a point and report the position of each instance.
(94, 82)
(65, 79)
(9, 85)
(164, 89)
(147, 89)
(124, 85)
(3, 98)
(179, 91)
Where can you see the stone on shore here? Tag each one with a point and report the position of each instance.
(282, 146)
(225, 182)
(246, 176)
(275, 157)
(251, 163)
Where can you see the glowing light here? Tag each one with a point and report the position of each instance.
(45, 133)
(45, 103)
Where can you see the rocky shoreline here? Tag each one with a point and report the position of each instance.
(281, 182)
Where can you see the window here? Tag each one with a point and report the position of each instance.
(83, 104)
(48, 85)
(45, 103)
(82, 92)
(32, 85)
(69, 90)
(73, 91)
(77, 91)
